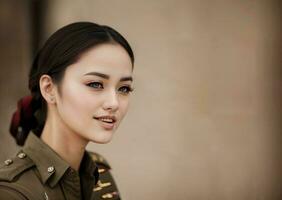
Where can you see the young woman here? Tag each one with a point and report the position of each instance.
(80, 84)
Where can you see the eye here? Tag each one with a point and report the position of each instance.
(96, 85)
(125, 89)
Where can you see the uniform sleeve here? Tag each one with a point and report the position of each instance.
(11, 193)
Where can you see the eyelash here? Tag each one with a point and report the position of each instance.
(98, 85)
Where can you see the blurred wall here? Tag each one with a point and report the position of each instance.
(15, 61)
(204, 121)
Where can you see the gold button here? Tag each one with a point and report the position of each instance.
(8, 162)
(21, 155)
(51, 169)
(94, 157)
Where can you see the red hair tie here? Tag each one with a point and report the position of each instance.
(23, 119)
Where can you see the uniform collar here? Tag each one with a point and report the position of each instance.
(89, 175)
(46, 159)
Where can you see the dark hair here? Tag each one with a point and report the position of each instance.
(62, 49)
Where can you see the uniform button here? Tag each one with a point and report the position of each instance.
(51, 169)
(21, 155)
(100, 159)
(8, 162)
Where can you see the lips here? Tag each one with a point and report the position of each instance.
(107, 122)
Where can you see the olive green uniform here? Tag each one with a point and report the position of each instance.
(37, 172)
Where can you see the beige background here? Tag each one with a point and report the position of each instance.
(204, 122)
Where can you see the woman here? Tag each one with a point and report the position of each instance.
(80, 83)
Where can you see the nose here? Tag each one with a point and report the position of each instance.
(111, 102)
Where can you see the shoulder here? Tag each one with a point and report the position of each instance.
(12, 168)
(99, 160)
(106, 187)
(7, 191)
(14, 175)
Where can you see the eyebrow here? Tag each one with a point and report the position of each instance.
(105, 76)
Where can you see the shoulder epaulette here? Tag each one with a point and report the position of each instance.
(12, 167)
(99, 160)
(106, 187)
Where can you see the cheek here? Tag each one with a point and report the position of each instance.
(124, 105)
(77, 103)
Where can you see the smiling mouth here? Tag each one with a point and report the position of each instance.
(106, 119)
(107, 122)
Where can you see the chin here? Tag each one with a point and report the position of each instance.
(105, 141)
(102, 138)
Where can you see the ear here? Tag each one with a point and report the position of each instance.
(47, 89)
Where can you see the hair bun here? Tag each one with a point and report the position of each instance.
(23, 119)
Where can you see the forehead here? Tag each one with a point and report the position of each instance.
(111, 59)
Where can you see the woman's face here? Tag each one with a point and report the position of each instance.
(95, 92)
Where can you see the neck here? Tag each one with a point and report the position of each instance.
(67, 144)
